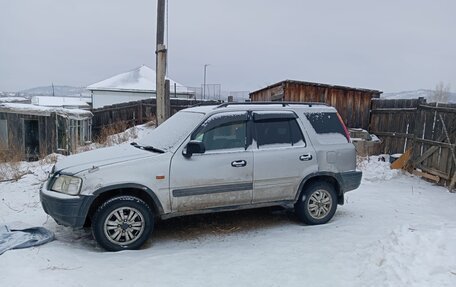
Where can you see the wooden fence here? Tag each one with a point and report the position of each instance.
(135, 113)
(427, 129)
(394, 122)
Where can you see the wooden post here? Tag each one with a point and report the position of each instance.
(452, 177)
(160, 63)
(416, 152)
(204, 81)
(140, 113)
(167, 100)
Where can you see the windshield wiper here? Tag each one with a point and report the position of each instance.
(147, 147)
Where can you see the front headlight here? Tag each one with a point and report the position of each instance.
(67, 184)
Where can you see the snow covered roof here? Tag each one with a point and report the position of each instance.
(141, 79)
(60, 101)
(303, 83)
(29, 109)
(13, 99)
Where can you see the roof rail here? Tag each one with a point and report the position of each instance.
(284, 104)
(205, 104)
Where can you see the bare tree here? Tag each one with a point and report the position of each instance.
(441, 93)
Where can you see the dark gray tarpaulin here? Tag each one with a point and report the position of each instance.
(23, 238)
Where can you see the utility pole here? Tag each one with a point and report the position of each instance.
(162, 102)
(204, 81)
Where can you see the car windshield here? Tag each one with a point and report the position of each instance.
(172, 131)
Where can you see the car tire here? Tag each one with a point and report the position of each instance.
(317, 203)
(122, 223)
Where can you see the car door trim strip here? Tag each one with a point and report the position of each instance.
(212, 189)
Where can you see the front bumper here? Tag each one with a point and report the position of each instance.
(350, 180)
(66, 209)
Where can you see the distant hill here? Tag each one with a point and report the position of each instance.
(7, 94)
(59, 91)
(427, 94)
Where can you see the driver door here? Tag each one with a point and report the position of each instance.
(222, 176)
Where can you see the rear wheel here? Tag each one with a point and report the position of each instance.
(317, 203)
(123, 222)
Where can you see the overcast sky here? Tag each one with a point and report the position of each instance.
(388, 45)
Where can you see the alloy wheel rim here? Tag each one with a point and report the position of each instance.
(124, 225)
(320, 203)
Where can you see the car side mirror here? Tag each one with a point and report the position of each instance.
(193, 147)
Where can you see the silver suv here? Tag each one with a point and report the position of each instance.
(208, 159)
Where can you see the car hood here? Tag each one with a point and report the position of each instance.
(100, 157)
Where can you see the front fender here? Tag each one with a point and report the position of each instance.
(157, 204)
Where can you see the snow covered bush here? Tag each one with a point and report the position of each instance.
(10, 163)
(116, 133)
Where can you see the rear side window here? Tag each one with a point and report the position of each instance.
(326, 123)
(278, 132)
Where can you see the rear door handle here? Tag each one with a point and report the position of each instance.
(238, 163)
(305, 157)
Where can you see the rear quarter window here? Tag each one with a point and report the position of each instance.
(328, 126)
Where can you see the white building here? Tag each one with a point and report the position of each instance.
(63, 102)
(13, 99)
(135, 85)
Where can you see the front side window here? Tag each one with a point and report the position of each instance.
(278, 132)
(223, 132)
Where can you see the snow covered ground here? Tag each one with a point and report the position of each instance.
(395, 230)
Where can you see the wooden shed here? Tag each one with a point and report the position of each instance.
(34, 131)
(353, 104)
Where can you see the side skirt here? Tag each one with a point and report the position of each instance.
(284, 203)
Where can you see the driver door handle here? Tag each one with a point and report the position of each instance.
(238, 163)
(305, 157)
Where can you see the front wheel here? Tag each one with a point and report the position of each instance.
(122, 223)
(317, 203)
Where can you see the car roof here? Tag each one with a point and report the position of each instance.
(263, 106)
